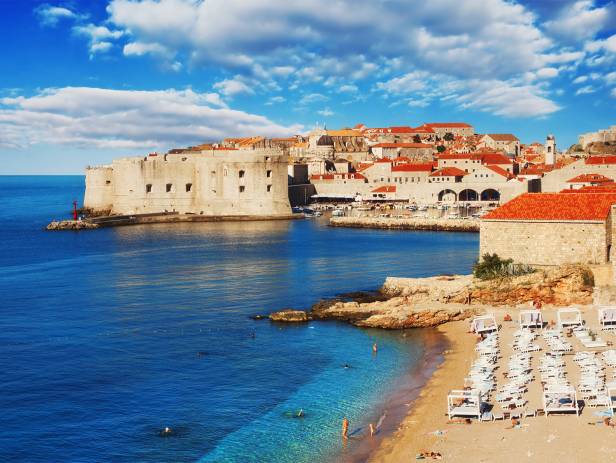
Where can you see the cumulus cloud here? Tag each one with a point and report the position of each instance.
(140, 120)
(326, 112)
(348, 88)
(98, 37)
(275, 100)
(587, 89)
(313, 98)
(580, 79)
(581, 20)
(231, 87)
(49, 15)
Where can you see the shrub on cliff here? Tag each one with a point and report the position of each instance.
(491, 266)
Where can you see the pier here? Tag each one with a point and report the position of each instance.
(410, 223)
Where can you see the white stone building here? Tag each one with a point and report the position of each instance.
(210, 183)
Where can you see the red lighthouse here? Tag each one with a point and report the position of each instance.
(74, 210)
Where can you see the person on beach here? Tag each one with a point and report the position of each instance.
(372, 430)
(345, 428)
(374, 348)
(468, 297)
(537, 304)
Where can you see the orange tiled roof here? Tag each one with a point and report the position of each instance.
(403, 145)
(590, 178)
(448, 172)
(500, 171)
(385, 189)
(419, 167)
(600, 160)
(556, 206)
(442, 125)
(502, 137)
(495, 158)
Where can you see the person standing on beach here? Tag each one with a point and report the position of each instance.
(345, 428)
(372, 431)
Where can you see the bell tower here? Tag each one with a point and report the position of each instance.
(550, 150)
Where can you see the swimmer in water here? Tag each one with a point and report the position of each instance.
(346, 365)
(374, 348)
(166, 432)
(345, 428)
(300, 413)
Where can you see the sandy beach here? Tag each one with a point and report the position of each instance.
(565, 438)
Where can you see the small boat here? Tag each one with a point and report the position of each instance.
(297, 210)
(337, 213)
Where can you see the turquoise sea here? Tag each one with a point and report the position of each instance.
(108, 336)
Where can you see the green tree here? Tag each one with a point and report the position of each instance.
(440, 148)
(417, 139)
(448, 136)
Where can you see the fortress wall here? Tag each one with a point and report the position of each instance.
(205, 183)
(545, 243)
(99, 188)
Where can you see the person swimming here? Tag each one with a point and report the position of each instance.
(166, 432)
(375, 348)
(345, 428)
(346, 365)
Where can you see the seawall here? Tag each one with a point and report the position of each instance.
(411, 223)
(168, 217)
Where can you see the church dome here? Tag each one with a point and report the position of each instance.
(325, 140)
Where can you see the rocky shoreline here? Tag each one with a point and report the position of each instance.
(56, 225)
(411, 223)
(425, 302)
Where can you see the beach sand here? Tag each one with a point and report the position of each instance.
(562, 438)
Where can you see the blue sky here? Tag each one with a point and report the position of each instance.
(84, 82)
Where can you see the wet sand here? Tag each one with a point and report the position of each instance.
(565, 438)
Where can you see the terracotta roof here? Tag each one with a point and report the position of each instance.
(423, 167)
(344, 133)
(385, 189)
(602, 188)
(442, 125)
(500, 171)
(495, 158)
(502, 137)
(600, 160)
(590, 178)
(555, 206)
(447, 156)
(448, 172)
(403, 145)
(423, 129)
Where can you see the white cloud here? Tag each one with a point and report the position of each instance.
(98, 37)
(143, 48)
(608, 45)
(140, 120)
(580, 21)
(504, 99)
(348, 88)
(408, 83)
(610, 78)
(613, 92)
(547, 73)
(49, 15)
(313, 98)
(275, 100)
(585, 90)
(326, 112)
(232, 87)
(580, 79)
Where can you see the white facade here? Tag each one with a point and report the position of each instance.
(211, 183)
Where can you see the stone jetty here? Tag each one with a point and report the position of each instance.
(410, 223)
(71, 225)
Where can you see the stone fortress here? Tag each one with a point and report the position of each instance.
(600, 136)
(208, 182)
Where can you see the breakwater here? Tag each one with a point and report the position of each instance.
(411, 223)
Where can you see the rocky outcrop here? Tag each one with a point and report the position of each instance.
(395, 313)
(423, 302)
(289, 315)
(411, 223)
(560, 286)
(70, 225)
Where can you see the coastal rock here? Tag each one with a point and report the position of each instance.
(289, 315)
(560, 286)
(395, 313)
(70, 225)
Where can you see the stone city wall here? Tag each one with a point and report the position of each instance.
(545, 243)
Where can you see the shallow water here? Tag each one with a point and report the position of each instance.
(107, 336)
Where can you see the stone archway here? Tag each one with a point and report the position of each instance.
(468, 195)
(490, 195)
(448, 196)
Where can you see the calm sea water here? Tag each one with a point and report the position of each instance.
(107, 336)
